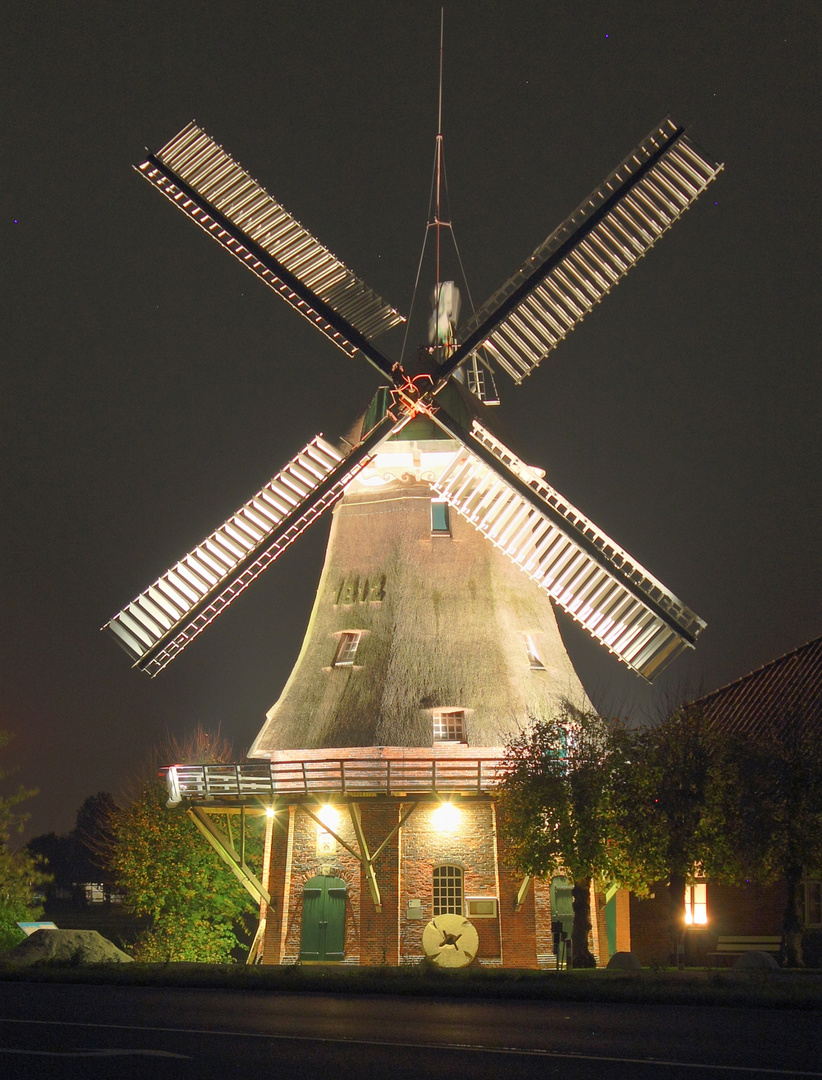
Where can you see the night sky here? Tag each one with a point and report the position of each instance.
(150, 384)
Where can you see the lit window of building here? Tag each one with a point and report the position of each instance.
(533, 655)
(449, 726)
(448, 890)
(696, 904)
(347, 648)
(440, 518)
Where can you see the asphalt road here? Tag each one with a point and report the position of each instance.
(61, 1031)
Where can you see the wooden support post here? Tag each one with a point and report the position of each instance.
(365, 858)
(224, 847)
(523, 890)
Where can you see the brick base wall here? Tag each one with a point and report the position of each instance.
(404, 872)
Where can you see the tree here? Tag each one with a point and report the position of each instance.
(167, 872)
(555, 807)
(20, 873)
(90, 836)
(74, 858)
(671, 790)
(772, 811)
(57, 854)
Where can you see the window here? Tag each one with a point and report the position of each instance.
(347, 648)
(533, 655)
(449, 726)
(440, 518)
(447, 890)
(696, 904)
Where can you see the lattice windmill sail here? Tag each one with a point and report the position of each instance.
(619, 602)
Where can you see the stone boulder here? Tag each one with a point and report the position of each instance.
(66, 947)
(756, 961)
(624, 961)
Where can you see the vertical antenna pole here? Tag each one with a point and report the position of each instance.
(439, 156)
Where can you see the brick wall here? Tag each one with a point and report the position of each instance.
(471, 846)
(742, 909)
(277, 860)
(598, 938)
(545, 954)
(404, 872)
(307, 863)
(378, 929)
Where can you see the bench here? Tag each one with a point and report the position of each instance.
(733, 945)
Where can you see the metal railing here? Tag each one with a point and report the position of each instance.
(264, 780)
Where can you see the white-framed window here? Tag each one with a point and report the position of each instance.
(449, 726)
(347, 648)
(440, 518)
(696, 904)
(812, 903)
(448, 890)
(533, 656)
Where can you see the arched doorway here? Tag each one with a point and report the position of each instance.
(323, 923)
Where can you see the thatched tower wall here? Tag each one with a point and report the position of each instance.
(444, 619)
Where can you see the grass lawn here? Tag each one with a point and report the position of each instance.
(778, 989)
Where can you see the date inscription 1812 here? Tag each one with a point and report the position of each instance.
(357, 590)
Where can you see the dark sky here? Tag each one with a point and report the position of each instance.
(150, 384)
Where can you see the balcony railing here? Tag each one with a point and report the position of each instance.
(262, 781)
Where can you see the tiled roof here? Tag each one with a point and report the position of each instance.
(762, 702)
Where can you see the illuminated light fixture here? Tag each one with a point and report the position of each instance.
(270, 811)
(326, 842)
(330, 817)
(446, 818)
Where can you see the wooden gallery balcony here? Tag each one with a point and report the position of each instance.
(366, 771)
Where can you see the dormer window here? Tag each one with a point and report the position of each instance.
(533, 655)
(440, 518)
(347, 648)
(449, 726)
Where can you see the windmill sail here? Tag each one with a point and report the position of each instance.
(164, 618)
(619, 602)
(588, 254)
(200, 178)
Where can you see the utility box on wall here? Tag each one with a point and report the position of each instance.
(481, 907)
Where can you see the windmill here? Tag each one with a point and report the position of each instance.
(583, 571)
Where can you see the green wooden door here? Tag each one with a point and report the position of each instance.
(323, 925)
(562, 916)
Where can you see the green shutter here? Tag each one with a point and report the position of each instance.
(562, 903)
(312, 920)
(335, 920)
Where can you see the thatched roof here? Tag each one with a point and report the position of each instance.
(444, 620)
